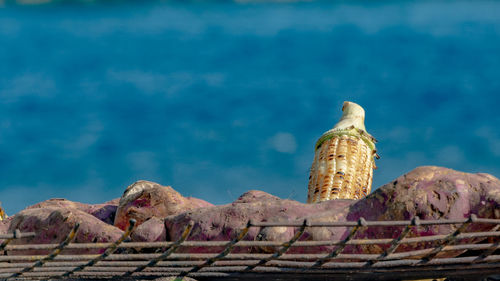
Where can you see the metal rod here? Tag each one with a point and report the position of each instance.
(17, 234)
(287, 267)
(50, 256)
(283, 274)
(298, 268)
(251, 243)
(490, 250)
(373, 223)
(166, 253)
(283, 248)
(292, 268)
(340, 248)
(224, 253)
(396, 242)
(496, 227)
(186, 256)
(448, 240)
(8, 239)
(246, 258)
(106, 253)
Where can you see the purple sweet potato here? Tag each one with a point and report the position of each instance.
(105, 211)
(52, 225)
(60, 203)
(152, 230)
(143, 200)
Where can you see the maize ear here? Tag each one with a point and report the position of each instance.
(2, 213)
(344, 159)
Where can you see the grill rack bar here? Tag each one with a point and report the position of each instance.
(396, 242)
(224, 253)
(284, 247)
(448, 240)
(243, 243)
(170, 250)
(239, 256)
(106, 253)
(50, 256)
(361, 223)
(14, 235)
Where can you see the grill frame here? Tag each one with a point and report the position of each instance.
(482, 259)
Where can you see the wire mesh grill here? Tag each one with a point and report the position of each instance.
(479, 255)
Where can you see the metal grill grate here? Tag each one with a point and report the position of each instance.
(127, 260)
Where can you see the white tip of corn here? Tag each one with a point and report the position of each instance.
(352, 115)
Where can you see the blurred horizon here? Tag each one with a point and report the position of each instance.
(216, 99)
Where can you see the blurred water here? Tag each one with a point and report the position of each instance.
(219, 98)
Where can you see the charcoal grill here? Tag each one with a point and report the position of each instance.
(124, 260)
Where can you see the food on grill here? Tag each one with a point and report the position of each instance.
(152, 230)
(3, 215)
(52, 225)
(428, 192)
(344, 159)
(105, 211)
(144, 199)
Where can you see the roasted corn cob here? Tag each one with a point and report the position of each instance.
(344, 159)
(2, 213)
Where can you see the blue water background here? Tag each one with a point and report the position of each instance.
(215, 99)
